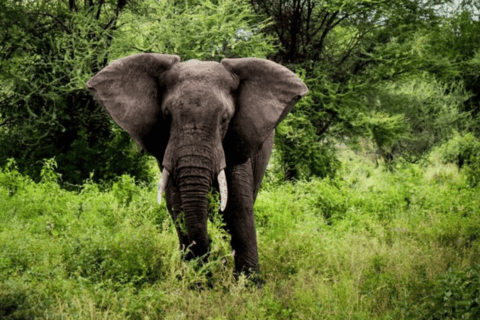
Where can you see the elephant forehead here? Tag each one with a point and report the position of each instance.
(200, 95)
(202, 72)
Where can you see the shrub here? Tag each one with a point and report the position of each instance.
(452, 295)
(124, 189)
(464, 151)
(461, 149)
(472, 172)
(10, 178)
(416, 114)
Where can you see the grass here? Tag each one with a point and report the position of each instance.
(369, 244)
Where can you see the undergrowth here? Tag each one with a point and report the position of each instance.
(370, 244)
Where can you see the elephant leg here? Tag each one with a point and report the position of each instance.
(174, 205)
(239, 218)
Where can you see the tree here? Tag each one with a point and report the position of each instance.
(49, 50)
(204, 30)
(347, 49)
(454, 55)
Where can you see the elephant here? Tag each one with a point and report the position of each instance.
(209, 125)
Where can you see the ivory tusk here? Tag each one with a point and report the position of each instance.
(222, 183)
(162, 184)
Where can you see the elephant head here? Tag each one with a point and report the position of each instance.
(197, 118)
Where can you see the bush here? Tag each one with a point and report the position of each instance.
(51, 50)
(418, 113)
(472, 172)
(464, 151)
(369, 244)
(452, 295)
(10, 179)
(461, 149)
(301, 149)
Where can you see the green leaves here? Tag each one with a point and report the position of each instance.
(452, 295)
(303, 152)
(384, 129)
(44, 104)
(49, 50)
(204, 30)
(401, 72)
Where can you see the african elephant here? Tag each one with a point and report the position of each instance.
(208, 124)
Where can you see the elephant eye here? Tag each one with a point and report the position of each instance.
(224, 117)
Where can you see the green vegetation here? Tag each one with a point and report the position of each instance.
(370, 208)
(49, 50)
(368, 244)
(402, 73)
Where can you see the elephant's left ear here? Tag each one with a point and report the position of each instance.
(267, 92)
(129, 89)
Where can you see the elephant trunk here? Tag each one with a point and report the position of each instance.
(193, 185)
(222, 183)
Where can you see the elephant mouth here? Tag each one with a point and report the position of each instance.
(222, 184)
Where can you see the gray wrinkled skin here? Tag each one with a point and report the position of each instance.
(208, 124)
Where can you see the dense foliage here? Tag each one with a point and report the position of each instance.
(368, 244)
(381, 221)
(49, 50)
(404, 73)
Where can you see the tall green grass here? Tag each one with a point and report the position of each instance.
(369, 244)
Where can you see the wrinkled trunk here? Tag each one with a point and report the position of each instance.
(194, 183)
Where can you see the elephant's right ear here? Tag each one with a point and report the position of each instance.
(129, 90)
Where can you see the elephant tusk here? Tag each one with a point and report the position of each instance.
(222, 183)
(162, 184)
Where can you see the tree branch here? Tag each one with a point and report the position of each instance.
(309, 16)
(57, 20)
(72, 5)
(97, 16)
(327, 29)
(7, 121)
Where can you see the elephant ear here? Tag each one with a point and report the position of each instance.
(266, 93)
(129, 89)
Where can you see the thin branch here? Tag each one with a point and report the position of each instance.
(65, 28)
(7, 121)
(72, 5)
(309, 16)
(338, 21)
(324, 11)
(352, 45)
(97, 16)
(110, 22)
(327, 29)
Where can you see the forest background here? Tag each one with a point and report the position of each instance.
(370, 204)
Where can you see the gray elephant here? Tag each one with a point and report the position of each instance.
(208, 124)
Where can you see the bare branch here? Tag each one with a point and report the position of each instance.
(327, 29)
(57, 20)
(7, 121)
(72, 5)
(100, 4)
(315, 31)
(309, 16)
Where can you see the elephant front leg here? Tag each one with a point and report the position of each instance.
(239, 218)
